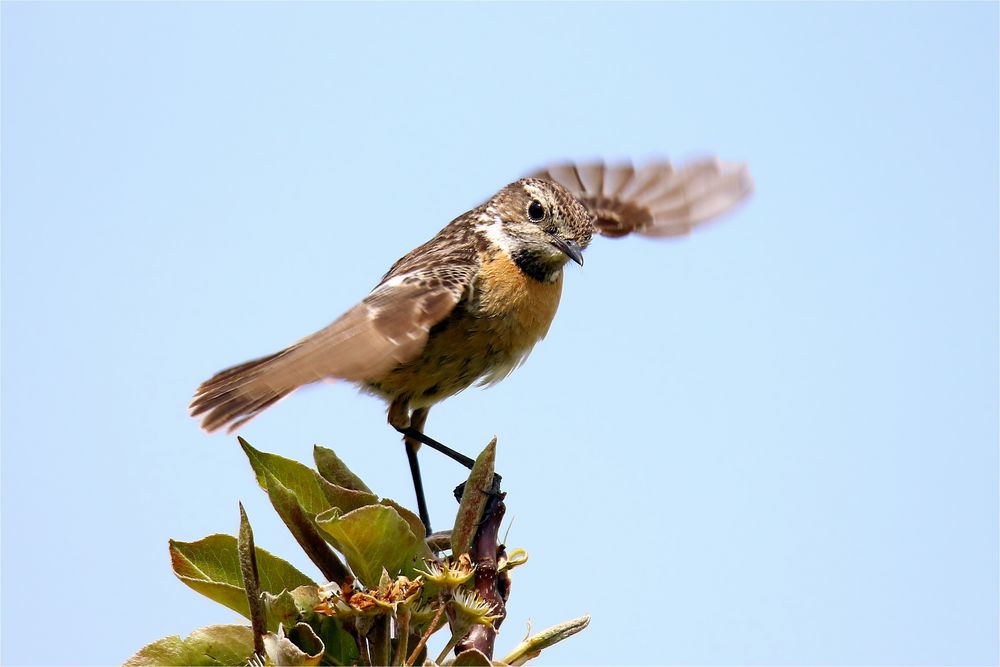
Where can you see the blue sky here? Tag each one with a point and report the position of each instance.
(773, 442)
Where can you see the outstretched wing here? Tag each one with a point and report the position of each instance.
(388, 328)
(656, 199)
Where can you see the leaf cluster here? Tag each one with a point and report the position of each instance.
(386, 590)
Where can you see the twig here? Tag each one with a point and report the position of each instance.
(485, 550)
(364, 648)
(427, 635)
(402, 636)
(452, 643)
(379, 641)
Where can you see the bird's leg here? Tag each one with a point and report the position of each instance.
(412, 426)
(417, 421)
(434, 444)
(400, 419)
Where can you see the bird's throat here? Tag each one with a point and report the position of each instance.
(538, 266)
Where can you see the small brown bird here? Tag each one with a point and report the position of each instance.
(469, 305)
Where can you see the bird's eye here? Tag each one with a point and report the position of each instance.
(536, 211)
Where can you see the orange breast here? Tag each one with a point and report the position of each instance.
(484, 339)
(522, 306)
(514, 311)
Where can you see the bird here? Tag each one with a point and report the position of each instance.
(468, 306)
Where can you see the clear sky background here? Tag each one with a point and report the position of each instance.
(773, 442)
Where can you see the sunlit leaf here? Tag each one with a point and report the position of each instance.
(336, 471)
(375, 537)
(211, 566)
(416, 525)
(214, 645)
(314, 493)
(280, 609)
(304, 529)
(300, 647)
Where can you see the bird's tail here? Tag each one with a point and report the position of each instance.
(351, 348)
(236, 395)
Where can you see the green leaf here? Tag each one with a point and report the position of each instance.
(341, 647)
(281, 609)
(474, 500)
(532, 646)
(306, 598)
(301, 601)
(214, 645)
(416, 525)
(305, 531)
(336, 471)
(314, 493)
(293, 607)
(347, 499)
(375, 537)
(211, 566)
(300, 647)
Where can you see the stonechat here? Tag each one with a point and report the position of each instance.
(468, 306)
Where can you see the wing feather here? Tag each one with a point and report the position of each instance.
(657, 199)
(388, 328)
(617, 179)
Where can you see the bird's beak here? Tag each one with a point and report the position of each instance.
(571, 248)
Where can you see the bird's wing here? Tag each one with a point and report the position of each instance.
(656, 199)
(388, 328)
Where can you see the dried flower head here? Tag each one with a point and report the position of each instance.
(346, 600)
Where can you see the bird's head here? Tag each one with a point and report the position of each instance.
(540, 225)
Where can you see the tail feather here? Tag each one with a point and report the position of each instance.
(352, 348)
(237, 395)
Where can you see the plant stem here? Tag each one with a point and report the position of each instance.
(402, 636)
(380, 641)
(485, 549)
(452, 643)
(427, 635)
(363, 649)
